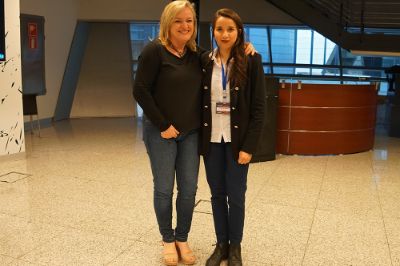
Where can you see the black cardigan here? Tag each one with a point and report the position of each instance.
(168, 88)
(247, 107)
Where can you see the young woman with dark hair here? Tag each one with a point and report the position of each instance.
(233, 112)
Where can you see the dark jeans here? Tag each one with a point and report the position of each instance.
(228, 183)
(169, 157)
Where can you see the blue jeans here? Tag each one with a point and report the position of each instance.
(169, 157)
(228, 183)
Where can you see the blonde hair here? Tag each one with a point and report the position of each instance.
(167, 18)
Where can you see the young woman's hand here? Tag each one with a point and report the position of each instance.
(170, 133)
(249, 48)
(244, 157)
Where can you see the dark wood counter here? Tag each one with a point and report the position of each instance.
(326, 119)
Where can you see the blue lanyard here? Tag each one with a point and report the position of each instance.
(224, 76)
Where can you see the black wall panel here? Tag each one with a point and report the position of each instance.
(267, 142)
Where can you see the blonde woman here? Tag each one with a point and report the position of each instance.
(167, 87)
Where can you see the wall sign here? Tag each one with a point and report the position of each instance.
(32, 35)
(32, 54)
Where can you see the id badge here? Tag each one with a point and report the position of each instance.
(223, 108)
(224, 94)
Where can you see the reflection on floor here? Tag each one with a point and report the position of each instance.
(83, 196)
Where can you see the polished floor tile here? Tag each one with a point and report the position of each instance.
(389, 194)
(4, 260)
(392, 227)
(139, 254)
(22, 237)
(303, 197)
(275, 234)
(340, 239)
(75, 247)
(88, 200)
(352, 200)
(22, 263)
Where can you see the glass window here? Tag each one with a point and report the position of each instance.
(258, 36)
(389, 61)
(354, 82)
(331, 53)
(386, 31)
(303, 47)
(283, 45)
(141, 34)
(354, 73)
(321, 81)
(370, 61)
(302, 71)
(383, 88)
(350, 59)
(297, 51)
(325, 71)
(319, 54)
(363, 73)
(267, 69)
(283, 70)
(134, 66)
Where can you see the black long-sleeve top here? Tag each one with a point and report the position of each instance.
(168, 87)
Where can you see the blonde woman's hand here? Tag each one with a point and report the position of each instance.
(249, 48)
(170, 133)
(244, 157)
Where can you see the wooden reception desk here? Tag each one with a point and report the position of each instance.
(326, 119)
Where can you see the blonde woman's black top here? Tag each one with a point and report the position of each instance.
(168, 87)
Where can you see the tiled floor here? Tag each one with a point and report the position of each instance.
(87, 200)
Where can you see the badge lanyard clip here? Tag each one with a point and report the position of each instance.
(224, 81)
(223, 107)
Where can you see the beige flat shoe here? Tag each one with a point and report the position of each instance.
(185, 253)
(170, 254)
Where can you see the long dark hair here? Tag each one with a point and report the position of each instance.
(238, 73)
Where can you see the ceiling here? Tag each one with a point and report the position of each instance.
(357, 25)
(356, 13)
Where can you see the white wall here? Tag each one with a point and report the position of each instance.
(105, 83)
(60, 21)
(11, 114)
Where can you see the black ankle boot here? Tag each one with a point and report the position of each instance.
(235, 255)
(220, 253)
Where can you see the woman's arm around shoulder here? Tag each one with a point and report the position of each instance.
(256, 61)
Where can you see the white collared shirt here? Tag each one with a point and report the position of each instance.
(221, 123)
